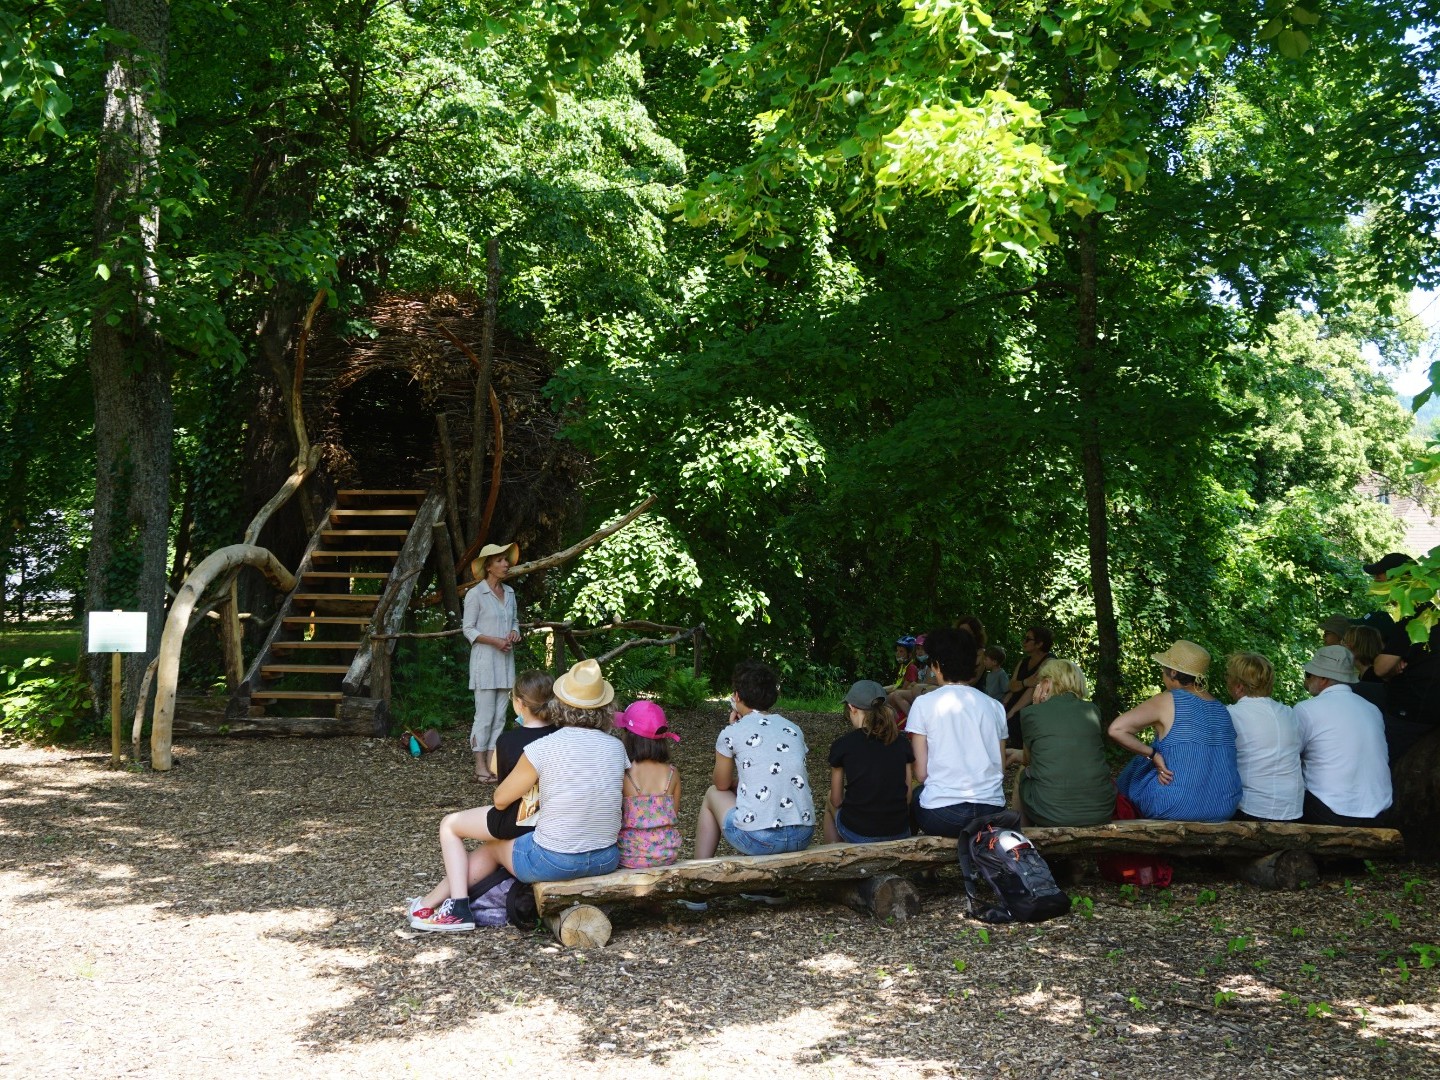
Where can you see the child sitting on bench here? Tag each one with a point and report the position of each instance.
(760, 800)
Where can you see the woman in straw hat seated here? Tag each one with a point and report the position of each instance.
(580, 769)
(1189, 773)
(492, 626)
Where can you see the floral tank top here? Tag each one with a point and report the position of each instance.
(649, 832)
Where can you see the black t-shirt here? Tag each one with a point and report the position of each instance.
(1414, 694)
(876, 802)
(508, 749)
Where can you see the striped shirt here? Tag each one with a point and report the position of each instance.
(581, 773)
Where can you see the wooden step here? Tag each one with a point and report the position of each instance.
(351, 494)
(341, 534)
(301, 669)
(297, 695)
(334, 514)
(327, 620)
(340, 553)
(371, 575)
(276, 646)
(323, 597)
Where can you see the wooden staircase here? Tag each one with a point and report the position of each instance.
(348, 571)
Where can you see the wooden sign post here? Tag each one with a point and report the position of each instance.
(116, 632)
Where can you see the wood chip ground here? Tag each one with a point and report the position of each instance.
(243, 914)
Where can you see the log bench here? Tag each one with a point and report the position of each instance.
(870, 876)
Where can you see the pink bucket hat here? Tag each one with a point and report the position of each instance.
(646, 719)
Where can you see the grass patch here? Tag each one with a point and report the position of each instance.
(824, 703)
(59, 642)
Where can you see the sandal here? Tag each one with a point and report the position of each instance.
(486, 778)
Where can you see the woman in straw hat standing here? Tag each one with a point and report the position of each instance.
(1189, 773)
(580, 769)
(492, 626)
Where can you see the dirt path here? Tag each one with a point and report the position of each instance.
(243, 914)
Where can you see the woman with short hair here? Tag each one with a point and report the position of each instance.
(1267, 743)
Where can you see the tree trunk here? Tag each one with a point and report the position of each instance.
(14, 508)
(129, 366)
(481, 408)
(1092, 461)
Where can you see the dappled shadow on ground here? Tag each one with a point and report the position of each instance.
(327, 838)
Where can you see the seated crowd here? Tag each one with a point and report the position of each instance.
(926, 754)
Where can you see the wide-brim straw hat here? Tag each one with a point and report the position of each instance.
(584, 687)
(1333, 662)
(510, 551)
(1185, 657)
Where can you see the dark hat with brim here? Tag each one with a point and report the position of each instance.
(1389, 562)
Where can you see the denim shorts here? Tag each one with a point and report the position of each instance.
(948, 820)
(534, 863)
(765, 841)
(855, 838)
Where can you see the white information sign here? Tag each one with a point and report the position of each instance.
(117, 631)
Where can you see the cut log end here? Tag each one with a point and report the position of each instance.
(580, 927)
(888, 897)
(1279, 870)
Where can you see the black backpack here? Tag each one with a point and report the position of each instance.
(992, 846)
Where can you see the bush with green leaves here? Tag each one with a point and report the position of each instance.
(679, 688)
(41, 701)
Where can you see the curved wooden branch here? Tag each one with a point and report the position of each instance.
(176, 623)
(569, 553)
(141, 700)
(303, 469)
(497, 464)
(635, 643)
(297, 416)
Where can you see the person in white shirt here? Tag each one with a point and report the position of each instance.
(958, 734)
(1267, 743)
(1342, 745)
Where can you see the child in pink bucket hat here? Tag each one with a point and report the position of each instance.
(649, 814)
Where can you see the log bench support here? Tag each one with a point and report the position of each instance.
(871, 877)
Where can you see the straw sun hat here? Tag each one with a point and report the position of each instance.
(1185, 657)
(584, 687)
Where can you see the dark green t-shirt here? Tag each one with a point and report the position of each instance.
(1067, 781)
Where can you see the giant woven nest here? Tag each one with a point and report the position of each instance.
(371, 400)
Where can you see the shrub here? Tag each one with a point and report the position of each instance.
(680, 689)
(43, 702)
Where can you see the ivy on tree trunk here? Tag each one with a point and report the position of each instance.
(129, 365)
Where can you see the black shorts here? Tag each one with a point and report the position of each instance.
(501, 824)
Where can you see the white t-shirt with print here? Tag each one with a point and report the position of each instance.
(772, 788)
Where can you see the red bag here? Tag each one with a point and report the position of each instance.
(1133, 869)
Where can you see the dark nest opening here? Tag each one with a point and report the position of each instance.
(382, 423)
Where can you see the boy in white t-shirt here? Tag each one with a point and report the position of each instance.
(958, 734)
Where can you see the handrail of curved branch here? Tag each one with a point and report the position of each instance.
(187, 596)
(306, 456)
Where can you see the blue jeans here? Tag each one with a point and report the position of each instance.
(765, 841)
(948, 820)
(855, 838)
(534, 863)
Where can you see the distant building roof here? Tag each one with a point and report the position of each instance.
(1422, 527)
